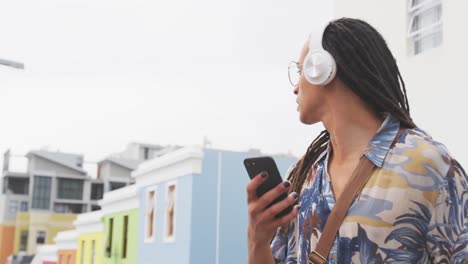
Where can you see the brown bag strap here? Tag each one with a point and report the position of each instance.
(353, 187)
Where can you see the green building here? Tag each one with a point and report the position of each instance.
(120, 217)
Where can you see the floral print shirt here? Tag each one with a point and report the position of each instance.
(413, 209)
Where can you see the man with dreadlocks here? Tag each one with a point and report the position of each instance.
(413, 206)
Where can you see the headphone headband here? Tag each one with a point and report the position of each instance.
(316, 36)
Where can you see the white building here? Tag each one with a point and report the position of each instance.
(45, 254)
(428, 40)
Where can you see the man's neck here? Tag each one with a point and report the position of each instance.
(350, 133)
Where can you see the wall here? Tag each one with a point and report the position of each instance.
(22, 224)
(5, 214)
(158, 250)
(45, 165)
(51, 223)
(117, 237)
(119, 172)
(65, 255)
(219, 236)
(7, 236)
(86, 252)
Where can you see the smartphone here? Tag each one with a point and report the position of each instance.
(256, 165)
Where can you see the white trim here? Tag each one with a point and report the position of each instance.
(181, 162)
(171, 239)
(123, 199)
(425, 31)
(91, 222)
(66, 240)
(218, 207)
(422, 6)
(147, 239)
(45, 253)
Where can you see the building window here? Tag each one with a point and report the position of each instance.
(70, 189)
(95, 208)
(69, 261)
(68, 208)
(97, 191)
(125, 237)
(13, 206)
(83, 252)
(23, 240)
(146, 153)
(18, 185)
(149, 214)
(41, 192)
(117, 185)
(424, 25)
(109, 238)
(93, 250)
(170, 212)
(24, 206)
(40, 237)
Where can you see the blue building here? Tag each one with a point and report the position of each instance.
(193, 206)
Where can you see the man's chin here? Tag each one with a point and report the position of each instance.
(307, 120)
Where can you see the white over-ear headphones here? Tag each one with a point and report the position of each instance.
(319, 67)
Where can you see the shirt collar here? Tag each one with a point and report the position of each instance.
(380, 144)
(378, 147)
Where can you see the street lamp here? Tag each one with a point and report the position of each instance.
(13, 64)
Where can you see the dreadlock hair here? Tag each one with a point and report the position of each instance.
(366, 65)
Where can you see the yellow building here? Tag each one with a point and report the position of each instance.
(89, 228)
(39, 228)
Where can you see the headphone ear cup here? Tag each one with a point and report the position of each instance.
(319, 67)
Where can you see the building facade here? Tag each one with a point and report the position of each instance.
(120, 211)
(89, 228)
(36, 228)
(66, 242)
(57, 183)
(192, 206)
(46, 254)
(43, 199)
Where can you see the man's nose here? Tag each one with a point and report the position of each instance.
(296, 89)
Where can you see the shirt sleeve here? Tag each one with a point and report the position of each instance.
(448, 229)
(279, 245)
(283, 245)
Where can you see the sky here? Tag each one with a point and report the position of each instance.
(102, 73)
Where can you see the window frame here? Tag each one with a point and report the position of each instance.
(13, 206)
(110, 233)
(166, 237)
(426, 30)
(21, 207)
(125, 223)
(66, 186)
(37, 237)
(38, 191)
(154, 189)
(26, 240)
